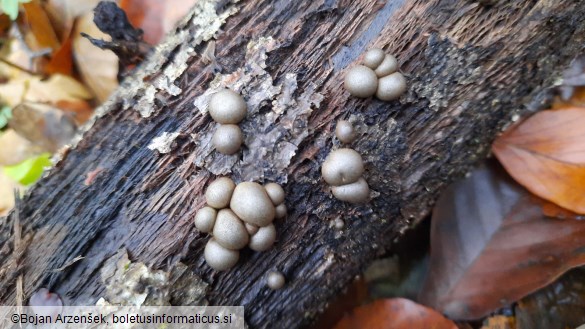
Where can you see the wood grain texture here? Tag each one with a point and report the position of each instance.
(470, 68)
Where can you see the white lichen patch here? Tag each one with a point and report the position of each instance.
(276, 123)
(163, 143)
(133, 284)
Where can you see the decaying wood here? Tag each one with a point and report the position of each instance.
(472, 69)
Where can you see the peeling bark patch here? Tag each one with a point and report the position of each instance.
(134, 284)
(163, 143)
(276, 123)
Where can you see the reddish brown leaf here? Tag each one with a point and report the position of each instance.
(80, 110)
(395, 313)
(62, 59)
(155, 17)
(491, 245)
(546, 154)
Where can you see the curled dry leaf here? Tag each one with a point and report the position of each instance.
(546, 154)
(491, 245)
(395, 313)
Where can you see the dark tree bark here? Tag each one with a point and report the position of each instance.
(472, 69)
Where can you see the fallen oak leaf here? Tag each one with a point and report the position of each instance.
(546, 154)
(491, 245)
(394, 313)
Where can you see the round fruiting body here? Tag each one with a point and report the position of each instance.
(345, 132)
(227, 107)
(361, 81)
(229, 231)
(227, 139)
(342, 166)
(339, 223)
(263, 239)
(357, 192)
(252, 204)
(391, 87)
(374, 57)
(280, 211)
(205, 219)
(388, 66)
(275, 193)
(219, 192)
(218, 257)
(275, 280)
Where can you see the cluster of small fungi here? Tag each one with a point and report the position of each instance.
(378, 76)
(227, 108)
(238, 216)
(343, 169)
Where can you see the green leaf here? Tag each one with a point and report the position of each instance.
(30, 170)
(5, 116)
(10, 7)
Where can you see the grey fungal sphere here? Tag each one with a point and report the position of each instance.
(361, 81)
(227, 106)
(374, 57)
(252, 204)
(339, 223)
(229, 231)
(358, 192)
(227, 139)
(342, 166)
(344, 131)
(218, 257)
(263, 239)
(275, 192)
(281, 211)
(275, 280)
(205, 219)
(219, 192)
(391, 87)
(388, 66)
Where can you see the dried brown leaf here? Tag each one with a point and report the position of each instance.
(491, 245)
(546, 154)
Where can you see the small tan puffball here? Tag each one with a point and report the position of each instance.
(281, 211)
(357, 192)
(263, 239)
(275, 192)
(227, 107)
(275, 280)
(219, 192)
(218, 257)
(229, 231)
(344, 131)
(227, 139)
(205, 219)
(388, 66)
(373, 58)
(391, 87)
(361, 81)
(252, 204)
(342, 166)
